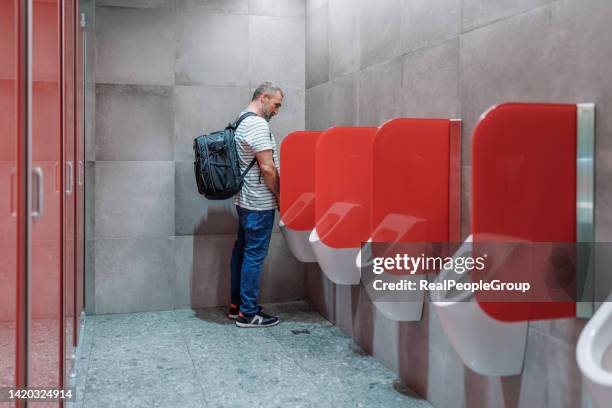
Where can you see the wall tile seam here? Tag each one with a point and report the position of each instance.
(321, 84)
(233, 234)
(401, 56)
(282, 17)
(315, 11)
(140, 237)
(133, 84)
(135, 8)
(229, 87)
(250, 13)
(521, 13)
(233, 13)
(102, 161)
(135, 311)
(278, 16)
(431, 46)
(109, 162)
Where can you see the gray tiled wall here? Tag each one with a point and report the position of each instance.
(163, 72)
(456, 58)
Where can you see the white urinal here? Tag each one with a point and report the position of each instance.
(298, 240)
(486, 345)
(298, 243)
(594, 355)
(338, 264)
(405, 306)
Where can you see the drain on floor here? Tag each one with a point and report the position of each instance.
(300, 331)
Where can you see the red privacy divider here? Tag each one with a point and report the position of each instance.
(297, 204)
(524, 186)
(343, 183)
(410, 197)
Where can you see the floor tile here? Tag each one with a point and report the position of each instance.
(199, 358)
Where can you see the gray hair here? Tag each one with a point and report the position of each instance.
(267, 88)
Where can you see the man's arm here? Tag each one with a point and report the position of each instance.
(269, 173)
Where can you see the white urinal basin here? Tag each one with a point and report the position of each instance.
(298, 243)
(338, 264)
(408, 310)
(486, 345)
(594, 355)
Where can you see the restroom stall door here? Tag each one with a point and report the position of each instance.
(45, 359)
(79, 187)
(12, 198)
(68, 141)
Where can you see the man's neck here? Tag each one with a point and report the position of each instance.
(253, 107)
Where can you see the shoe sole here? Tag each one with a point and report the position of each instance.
(252, 326)
(232, 316)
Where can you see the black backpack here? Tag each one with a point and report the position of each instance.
(217, 167)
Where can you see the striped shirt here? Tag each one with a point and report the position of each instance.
(253, 136)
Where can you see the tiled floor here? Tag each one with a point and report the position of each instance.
(186, 358)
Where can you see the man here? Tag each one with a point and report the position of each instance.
(256, 204)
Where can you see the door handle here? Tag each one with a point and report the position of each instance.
(38, 194)
(58, 177)
(80, 174)
(12, 195)
(69, 177)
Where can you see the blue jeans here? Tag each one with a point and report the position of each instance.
(250, 251)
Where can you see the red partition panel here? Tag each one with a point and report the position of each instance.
(297, 204)
(524, 186)
(343, 183)
(411, 181)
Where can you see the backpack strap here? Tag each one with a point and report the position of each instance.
(242, 117)
(235, 125)
(254, 161)
(251, 164)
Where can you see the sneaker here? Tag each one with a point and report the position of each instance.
(233, 312)
(260, 319)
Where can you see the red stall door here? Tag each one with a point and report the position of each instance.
(45, 343)
(12, 205)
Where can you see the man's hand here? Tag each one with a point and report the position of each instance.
(269, 173)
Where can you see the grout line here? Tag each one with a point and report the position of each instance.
(506, 18)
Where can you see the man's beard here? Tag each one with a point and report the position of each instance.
(267, 115)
